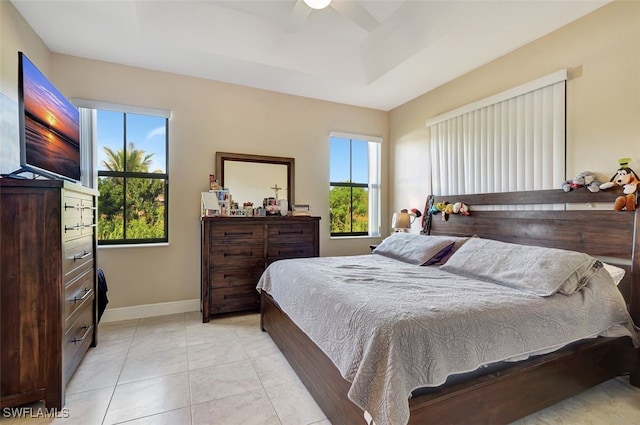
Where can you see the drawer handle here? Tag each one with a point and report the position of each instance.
(87, 329)
(76, 206)
(85, 294)
(290, 232)
(238, 233)
(238, 254)
(76, 227)
(84, 255)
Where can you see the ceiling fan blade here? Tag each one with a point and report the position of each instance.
(299, 14)
(357, 13)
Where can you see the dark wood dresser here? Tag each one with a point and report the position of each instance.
(236, 250)
(47, 287)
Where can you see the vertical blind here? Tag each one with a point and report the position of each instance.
(512, 141)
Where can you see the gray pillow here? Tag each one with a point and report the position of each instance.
(543, 271)
(456, 245)
(415, 249)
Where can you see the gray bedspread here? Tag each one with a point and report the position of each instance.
(391, 327)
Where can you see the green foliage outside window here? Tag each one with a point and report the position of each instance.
(349, 208)
(144, 209)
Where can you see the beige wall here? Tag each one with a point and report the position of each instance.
(207, 116)
(602, 53)
(15, 36)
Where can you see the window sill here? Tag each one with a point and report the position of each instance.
(135, 245)
(354, 237)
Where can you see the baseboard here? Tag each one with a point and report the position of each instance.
(149, 310)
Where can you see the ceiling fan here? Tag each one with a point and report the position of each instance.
(349, 8)
(317, 4)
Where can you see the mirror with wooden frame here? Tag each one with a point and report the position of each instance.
(251, 178)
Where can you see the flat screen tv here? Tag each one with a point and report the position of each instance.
(49, 126)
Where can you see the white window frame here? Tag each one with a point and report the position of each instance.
(374, 144)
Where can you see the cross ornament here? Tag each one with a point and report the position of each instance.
(277, 189)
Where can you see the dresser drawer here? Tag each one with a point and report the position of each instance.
(282, 251)
(234, 299)
(236, 277)
(291, 233)
(77, 254)
(236, 234)
(72, 228)
(77, 338)
(76, 294)
(78, 215)
(76, 201)
(240, 255)
(78, 226)
(72, 211)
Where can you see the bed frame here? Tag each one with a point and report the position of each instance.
(525, 387)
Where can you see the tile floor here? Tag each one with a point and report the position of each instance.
(174, 370)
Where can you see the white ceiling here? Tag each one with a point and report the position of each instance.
(373, 53)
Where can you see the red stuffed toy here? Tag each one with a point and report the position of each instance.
(627, 178)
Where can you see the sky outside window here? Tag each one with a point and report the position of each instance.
(147, 133)
(340, 158)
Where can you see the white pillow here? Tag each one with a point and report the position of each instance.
(543, 271)
(616, 273)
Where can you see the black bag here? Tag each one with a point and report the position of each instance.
(102, 293)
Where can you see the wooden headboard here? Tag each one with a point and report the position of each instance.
(601, 233)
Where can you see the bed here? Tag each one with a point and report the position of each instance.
(500, 392)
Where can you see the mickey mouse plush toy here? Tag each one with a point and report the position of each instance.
(627, 178)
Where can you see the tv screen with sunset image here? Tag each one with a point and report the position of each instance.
(51, 126)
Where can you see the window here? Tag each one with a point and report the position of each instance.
(354, 188)
(132, 177)
(125, 156)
